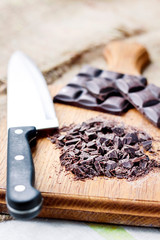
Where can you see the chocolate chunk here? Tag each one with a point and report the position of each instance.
(143, 164)
(139, 153)
(92, 144)
(78, 171)
(60, 138)
(102, 140)
(69, 137)
(127, 140)
(109, 139)
(133, 171)
(112, 154)
(131, 138)
(118, 142)
(138, 159)
(147, 145)
(76, 128)
(126, 163)
(91, 135)
(120, 171)
(73, 141)
(83, 127)
(101, 150)
(89, 160)
(84, 155)
(130, 150)
(98, 166)
(95, 152)
(118, 131)
(108, 142)
(111, 165)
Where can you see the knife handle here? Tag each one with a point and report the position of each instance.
(23, 200)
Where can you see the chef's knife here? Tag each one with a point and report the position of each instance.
(30, 109)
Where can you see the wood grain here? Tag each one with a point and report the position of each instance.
(124, 57)
(99, 200)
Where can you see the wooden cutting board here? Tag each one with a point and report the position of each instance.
(101, 199)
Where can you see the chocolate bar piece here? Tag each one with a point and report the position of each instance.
(144, 99)
(93, 88)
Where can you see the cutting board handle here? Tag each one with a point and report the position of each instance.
(126, 57)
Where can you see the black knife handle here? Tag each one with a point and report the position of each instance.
(23, 200)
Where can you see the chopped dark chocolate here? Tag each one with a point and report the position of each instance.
(98, 167)
(118, 143)
(143, 164)
(73, 141)
(119, 131)
(133, 137)
(147, 145)
(61, 138)
(126, 163)
(98, 147)
(111, 165)
(130, 150)
(139, 153)
(92, 144)
(112, 154)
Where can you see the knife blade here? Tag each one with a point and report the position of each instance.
(29, 109)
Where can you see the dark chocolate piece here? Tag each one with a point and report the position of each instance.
(144, 99)
(73, 141)
(95, 89)
(130, 138)
(126, 163)
(147, 145)
(118, 143)
(111, 165)
(112, 154)
(118, 130)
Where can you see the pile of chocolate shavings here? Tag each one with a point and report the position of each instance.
(99, 147)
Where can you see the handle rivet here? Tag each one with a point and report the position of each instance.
(19, 157)
(19, 188)
(18, 131)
